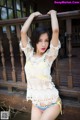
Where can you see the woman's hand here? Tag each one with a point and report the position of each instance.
(52, 12)
(35, 14)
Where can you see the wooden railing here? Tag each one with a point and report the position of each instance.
(9, 63)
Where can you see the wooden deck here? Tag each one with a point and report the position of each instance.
(16, 100)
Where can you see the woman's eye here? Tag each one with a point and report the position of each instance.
(47, 41)
(44, 40)
(40, 40)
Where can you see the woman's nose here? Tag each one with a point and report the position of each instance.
(43, 43)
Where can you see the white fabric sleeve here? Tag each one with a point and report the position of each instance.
(28, 49)
(52, 52)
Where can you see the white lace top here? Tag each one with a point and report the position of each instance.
(40, 88)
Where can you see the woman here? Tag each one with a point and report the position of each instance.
(40, 53)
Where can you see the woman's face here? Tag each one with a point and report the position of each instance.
(43, 44)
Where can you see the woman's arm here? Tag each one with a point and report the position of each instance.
(55, 27)
(26, 26)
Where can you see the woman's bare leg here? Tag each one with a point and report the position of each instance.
(35, 113)
(51, 113)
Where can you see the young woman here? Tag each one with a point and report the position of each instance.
(40, 53)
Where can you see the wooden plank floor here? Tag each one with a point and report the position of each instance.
(70, 107)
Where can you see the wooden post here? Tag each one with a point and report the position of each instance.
(11, 54)
(2, 57)
(21, 55)
(57, 81)
(68, 30)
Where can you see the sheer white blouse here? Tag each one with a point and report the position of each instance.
(40, 88)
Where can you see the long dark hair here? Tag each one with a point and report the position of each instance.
(36, 34)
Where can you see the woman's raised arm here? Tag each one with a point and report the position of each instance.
(26, 26)
(55, 27)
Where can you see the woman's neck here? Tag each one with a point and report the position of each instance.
(38, 55)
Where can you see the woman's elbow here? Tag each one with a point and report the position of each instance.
(22, 32)
(56, 30)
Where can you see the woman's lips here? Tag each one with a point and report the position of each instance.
(43, 49)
